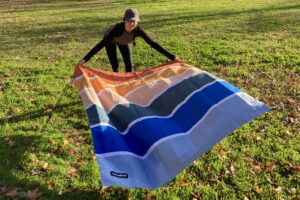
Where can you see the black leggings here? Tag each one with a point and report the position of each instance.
(111, 50)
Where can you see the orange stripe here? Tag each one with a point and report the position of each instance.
(119, 77)
(123, 89)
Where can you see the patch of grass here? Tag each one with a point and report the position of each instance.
(45, 140)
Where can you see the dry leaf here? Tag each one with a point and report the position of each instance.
(35, 161)
(3, 189)
(291, 101)
(26, 141)
(266, 101)
(33, 194)
(296, 169)
(294, 114)
(71, 171)
(207, 167)
(232, 169)
(182, 182)
(7, 75)
(46, 166)
(256, 168)
(51, 186)
(270, 166)
(276, 191)
(54, 149)
(13, 193)
(70, 151)
(48, 110)
(65, 143)
(9, 141)
(258, 190)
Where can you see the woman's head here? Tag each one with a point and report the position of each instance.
(131, 19)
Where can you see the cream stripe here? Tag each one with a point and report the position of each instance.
(89, 97)
(146, 94)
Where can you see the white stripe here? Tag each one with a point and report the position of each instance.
(161, 80)
(154, 145)
(89, 90)
(125, 101)
(152, 99)
(159, 117)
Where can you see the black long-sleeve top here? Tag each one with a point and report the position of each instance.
(116, 33)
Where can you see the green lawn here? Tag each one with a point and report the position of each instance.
(45, 141)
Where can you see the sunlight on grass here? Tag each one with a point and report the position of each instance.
(45, 140)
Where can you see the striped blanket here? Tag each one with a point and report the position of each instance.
(148, 126)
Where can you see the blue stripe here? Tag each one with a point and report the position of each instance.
(145, 133)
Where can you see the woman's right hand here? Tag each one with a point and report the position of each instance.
(80, 63)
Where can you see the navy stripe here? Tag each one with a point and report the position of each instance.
(143, 134)
(161, 106)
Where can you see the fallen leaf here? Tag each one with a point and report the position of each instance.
(256, 168)
(71, 171)
(13, 193)
(26, 141)
(196, 195)
(54, 149)
(296, 169)
(207, 167)
(278, 190)
(33, 194)
(65, 143)
(294, 114)
(7, 75)
(3, 189)
(35, 161)
(9, 141)
(182, 182)
(266, 100)
(258, 190)
(232, 169)
(270, 166)
(104, 187)
(292, 101)
(48, 110)
(51, 186)
(70, 151)
(46, 166)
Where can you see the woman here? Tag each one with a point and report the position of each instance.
(122, 34)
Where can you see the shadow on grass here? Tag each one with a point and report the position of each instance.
(47, 111)
(63, 31)
(14, 151)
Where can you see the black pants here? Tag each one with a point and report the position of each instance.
(111, 50)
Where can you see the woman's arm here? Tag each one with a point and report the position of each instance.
(106, 39)
(153, 44)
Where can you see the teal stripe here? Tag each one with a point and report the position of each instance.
(162, 106)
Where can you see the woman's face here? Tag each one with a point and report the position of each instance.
(130, 25)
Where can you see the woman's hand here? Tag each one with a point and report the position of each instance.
(80, 63)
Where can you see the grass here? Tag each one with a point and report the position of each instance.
(45, 141)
